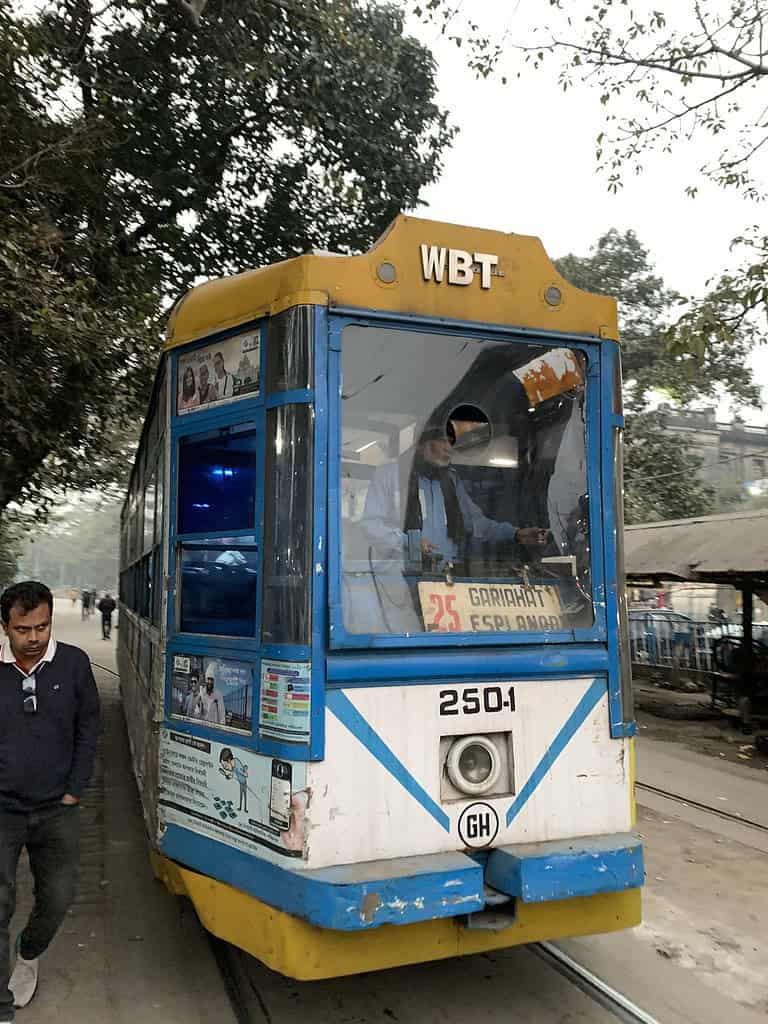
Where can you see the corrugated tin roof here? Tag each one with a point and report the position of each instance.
(720, 548)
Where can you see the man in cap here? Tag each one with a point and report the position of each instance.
(212, 698)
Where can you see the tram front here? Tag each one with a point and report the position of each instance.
(474, 681)
(442, 761)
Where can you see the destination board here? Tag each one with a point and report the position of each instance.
(491, 608)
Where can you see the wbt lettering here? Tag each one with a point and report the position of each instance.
(461, 265)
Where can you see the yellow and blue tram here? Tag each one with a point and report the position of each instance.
(373, 643)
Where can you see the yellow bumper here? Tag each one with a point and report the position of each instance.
(305, 952)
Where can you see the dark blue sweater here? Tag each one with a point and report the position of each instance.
(50, 752)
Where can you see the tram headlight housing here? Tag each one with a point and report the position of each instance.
(473, 764)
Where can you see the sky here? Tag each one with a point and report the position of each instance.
(524, 161)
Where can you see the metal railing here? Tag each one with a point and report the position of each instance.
(671, 642)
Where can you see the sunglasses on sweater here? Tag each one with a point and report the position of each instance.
(29, 691)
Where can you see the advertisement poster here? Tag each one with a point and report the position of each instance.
(213, 691)
(486, 607)
(219, 373)
(285, 700)
(250, 802)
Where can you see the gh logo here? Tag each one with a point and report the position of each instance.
(478, 825)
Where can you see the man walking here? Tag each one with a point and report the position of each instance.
(49, 724)
(106, 606)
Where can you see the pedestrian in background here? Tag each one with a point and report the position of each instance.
(49, 724)
(106, 606)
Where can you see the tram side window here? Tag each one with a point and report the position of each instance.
(289, 350)
(286, 617)
(140, 545)
(150, 492)
(218, 578)
(217, 482)
(219, 586)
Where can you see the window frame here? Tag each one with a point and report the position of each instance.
(251, 649)
(339, 637)
(247, 419)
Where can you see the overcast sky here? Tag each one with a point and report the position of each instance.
(524, 161)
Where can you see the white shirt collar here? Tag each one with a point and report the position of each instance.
(7, 656)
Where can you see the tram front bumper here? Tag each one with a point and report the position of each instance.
(410, 889)
(560, 870)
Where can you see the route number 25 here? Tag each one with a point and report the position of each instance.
(446, 618)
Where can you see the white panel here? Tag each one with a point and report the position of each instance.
(360, 812)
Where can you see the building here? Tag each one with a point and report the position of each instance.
(734, 455)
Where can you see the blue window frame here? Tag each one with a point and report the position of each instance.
(392, 435)
(218, 586)
(217, 481)
(203, 622)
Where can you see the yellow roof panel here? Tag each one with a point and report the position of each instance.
(520, 289)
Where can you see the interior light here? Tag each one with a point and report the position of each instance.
(365, 447)
(503, 463)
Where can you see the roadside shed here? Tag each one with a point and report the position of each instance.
(731, 548)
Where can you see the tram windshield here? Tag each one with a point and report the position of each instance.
(464, 496)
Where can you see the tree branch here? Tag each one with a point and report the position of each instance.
(758, 67)
(691, 109)
(607, 59)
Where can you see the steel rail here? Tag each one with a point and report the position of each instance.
(727, 815)
(598, 990)
(105, 669)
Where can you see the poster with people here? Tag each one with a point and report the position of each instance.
(212, 691)
(219, 373)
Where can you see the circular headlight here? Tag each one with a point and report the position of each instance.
(473, 764)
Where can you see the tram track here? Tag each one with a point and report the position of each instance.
(591, 985)
(737, 819)
(249, 1007)
(103, 668)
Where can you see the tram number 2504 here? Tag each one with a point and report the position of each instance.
(472, 700)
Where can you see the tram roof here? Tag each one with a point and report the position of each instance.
(728, 548)
(517, 296)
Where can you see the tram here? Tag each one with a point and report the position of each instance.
(373, 636)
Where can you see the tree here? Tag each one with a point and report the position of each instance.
(148, 144)
(698, 68)
(661, 479)
(10, 550)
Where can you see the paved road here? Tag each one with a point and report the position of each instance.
(698, 958)
(124, 951)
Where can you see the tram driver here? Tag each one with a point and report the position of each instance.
(419, 518)
(421, 505)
